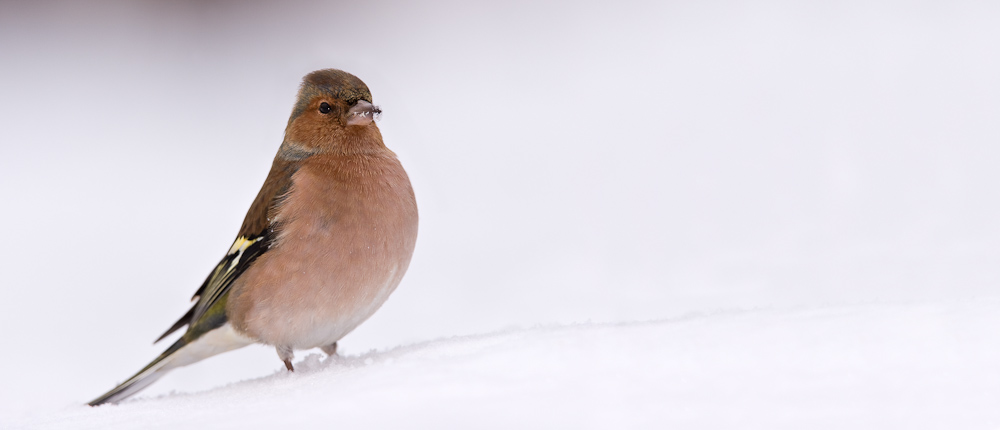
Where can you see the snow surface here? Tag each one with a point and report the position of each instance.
(829, 168)
(876, 366)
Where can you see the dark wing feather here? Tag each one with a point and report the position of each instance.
(242, 254)
(185, 320)
(256, 236)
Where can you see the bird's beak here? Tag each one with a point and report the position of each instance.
(362, 113)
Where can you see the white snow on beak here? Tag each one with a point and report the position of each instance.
(362, 113)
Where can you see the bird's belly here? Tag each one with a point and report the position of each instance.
(343, 245)
(319, 309)
(313, 294)
(326, 274)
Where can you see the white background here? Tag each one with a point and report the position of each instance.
(573, 162)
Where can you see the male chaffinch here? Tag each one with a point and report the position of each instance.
(325, 242)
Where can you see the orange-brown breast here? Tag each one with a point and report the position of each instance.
(347, 229)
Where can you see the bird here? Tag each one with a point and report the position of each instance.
(325, 242)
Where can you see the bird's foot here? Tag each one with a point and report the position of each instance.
(286, 355)
(330, 349)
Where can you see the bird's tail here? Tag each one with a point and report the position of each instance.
(181, 353)
(149, 374)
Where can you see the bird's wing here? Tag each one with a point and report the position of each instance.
(208, 332)
(255, 238)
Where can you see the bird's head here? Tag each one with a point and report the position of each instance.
(333, 112)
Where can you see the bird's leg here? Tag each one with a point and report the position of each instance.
(330, 349)
(285, 354)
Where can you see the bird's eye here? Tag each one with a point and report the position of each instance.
(324, 107)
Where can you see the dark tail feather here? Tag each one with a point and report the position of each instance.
(149, 374)
(185, 320)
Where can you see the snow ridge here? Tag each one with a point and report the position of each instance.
(920, 365)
